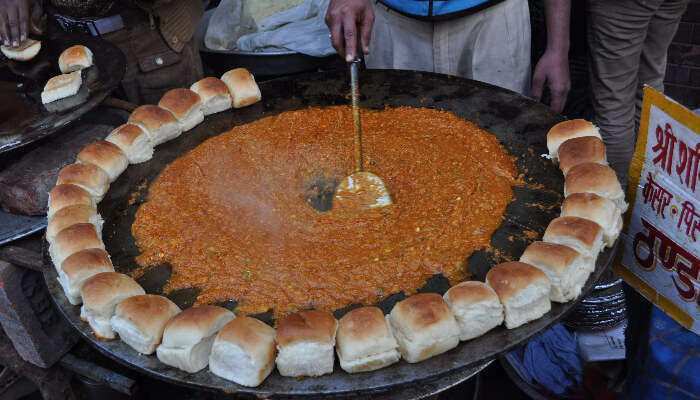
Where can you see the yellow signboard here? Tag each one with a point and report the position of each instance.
(660, 254)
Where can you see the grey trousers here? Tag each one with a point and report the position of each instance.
(628, 41)
(491, 45)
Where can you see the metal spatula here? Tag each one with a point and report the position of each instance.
(362, 189)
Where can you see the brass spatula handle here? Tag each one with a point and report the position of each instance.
(356, 112)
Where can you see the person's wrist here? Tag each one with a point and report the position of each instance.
(558, 51)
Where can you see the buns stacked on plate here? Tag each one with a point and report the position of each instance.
(71, 62)
(75, 58)
(61, 86)
(246, 350)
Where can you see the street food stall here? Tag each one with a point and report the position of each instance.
(224, 197)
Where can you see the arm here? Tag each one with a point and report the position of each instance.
(552, 69)
(17, 19)
(343, 19)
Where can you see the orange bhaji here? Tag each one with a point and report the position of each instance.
(231, 217)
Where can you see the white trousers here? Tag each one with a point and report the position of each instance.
(491, 45)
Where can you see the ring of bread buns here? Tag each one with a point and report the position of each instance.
(245, 350)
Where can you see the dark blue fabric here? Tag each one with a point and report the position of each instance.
(669, 367)
(551, 359)
(440, 7)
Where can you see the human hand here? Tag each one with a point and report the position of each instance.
(552, 70)
(17, 19)
(343, 19)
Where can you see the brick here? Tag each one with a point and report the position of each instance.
(29, 318)
(696, 34)
(677, 74)
(687, 96)
(691, 57)
(694, 80)
(684, 54)
(675, 52)
(692, 13)
(684, 33)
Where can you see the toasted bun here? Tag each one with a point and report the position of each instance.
(566, 268)
(108, 156)
(185, 105)
(476, 308)
(566, 130)
(140, 320)
(73, 239)
(582, 235)
(74, 58)
(62, 196)
(158, 123)
(27, 50)
(243, 352)
(423, 326)
(523, 290)
(305, 343)
(508, 279)
(189, 336)
(365, 342)
(420, 313)
(61, 86)
(469, 292)
(133, 141)
(89, 177)
(597, 209)
(556, 257)
(101, 294)
(307, 326)
(214, 94)
(79, 267)
(71, 215)
(241, 84)
(581, 150)
(598, 179)
(194, 325)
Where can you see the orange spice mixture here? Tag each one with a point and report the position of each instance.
(231, 217)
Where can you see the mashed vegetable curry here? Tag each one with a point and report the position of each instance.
(232, 216)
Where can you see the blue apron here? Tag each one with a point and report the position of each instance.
(436, 10)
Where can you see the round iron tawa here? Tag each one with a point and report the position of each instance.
(520, 124)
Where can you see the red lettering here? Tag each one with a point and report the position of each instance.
(665, 142)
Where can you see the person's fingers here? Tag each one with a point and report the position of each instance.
(558, 100)
(538, 79)
(560, 94)
(4, 29)
(366, 28)
(334, 22)
(13, 22)
(23, 18)
(350, 35)
(337, 38)
(35, 19)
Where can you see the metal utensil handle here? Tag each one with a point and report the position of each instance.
(354, 86)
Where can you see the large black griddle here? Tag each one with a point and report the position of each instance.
(520, 124)
(23, 118)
